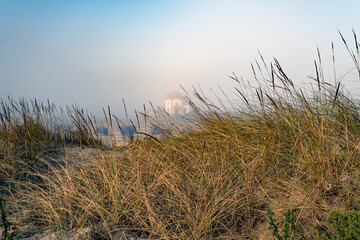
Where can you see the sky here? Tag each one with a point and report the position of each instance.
(96, 53)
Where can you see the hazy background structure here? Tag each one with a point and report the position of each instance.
(175, 103)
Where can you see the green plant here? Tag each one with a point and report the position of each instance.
(287, 225)
(9, 230)
(346, 225)
(273, 224)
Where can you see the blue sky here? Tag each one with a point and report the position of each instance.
(95, 53)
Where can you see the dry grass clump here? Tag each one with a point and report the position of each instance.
(288, 150)
(215, 182)
(24, 134)
(30, 129)
(160, 191)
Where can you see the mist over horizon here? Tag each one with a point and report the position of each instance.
(95, 54)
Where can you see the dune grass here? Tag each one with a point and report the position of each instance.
(294, 151)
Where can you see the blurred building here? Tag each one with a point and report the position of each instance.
(175, 103)
(102, 131)
(128, 131)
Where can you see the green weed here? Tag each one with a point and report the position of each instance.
(8, 229)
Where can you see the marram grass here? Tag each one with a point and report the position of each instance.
(293, 151)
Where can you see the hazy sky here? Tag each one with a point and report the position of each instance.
(95, 53)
